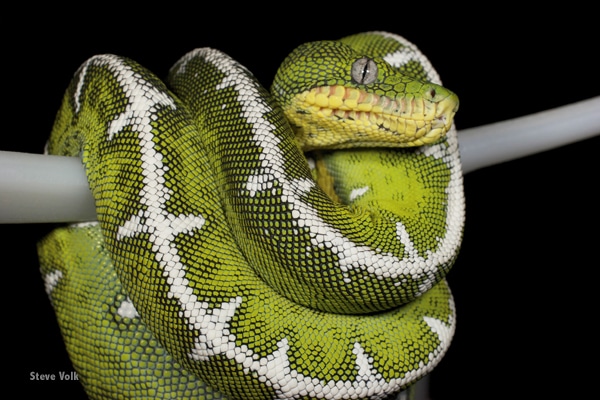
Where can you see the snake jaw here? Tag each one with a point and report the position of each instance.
(369, 119)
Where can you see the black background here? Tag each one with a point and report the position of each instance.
(525, 281)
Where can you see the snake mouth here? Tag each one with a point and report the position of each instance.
(363, 119)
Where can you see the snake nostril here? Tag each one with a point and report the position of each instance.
(432, 93)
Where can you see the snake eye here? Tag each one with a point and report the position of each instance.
(364, 71)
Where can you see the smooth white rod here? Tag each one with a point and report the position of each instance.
(504, 141)
(39, 188)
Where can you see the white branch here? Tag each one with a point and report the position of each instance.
(39, 188)
(496, 143)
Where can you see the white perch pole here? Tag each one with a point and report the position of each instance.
(39, 188)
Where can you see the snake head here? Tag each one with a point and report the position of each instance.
(336, 96)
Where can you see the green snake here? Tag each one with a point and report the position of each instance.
(250, 244)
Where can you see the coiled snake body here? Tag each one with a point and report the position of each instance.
(227, 264)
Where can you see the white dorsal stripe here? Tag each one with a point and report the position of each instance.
(156, 220)
(323, 235)
(274, 369)
(212, 325)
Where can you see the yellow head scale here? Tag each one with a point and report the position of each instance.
(326, 87)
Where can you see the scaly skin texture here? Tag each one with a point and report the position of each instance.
(330, 108)
(116, 355)
(223, 267)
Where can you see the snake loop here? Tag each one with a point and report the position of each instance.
(226, 263)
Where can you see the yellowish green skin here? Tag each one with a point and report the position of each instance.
(121, 358)
(219, 266)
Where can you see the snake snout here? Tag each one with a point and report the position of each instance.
(444, 104)
(446, 100)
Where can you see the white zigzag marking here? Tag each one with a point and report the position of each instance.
(156, 220)
(351, 256)
(213, 324)
(274, 369)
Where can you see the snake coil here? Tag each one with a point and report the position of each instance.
(251, 245)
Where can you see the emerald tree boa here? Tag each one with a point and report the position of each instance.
(250, 244)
